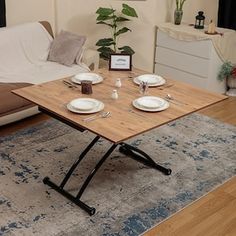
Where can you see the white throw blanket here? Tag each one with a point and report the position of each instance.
(23, 56)
(225, 44)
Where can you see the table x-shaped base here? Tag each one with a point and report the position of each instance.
(126, 149)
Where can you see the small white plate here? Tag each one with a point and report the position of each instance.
(151, 79)
(97, 106)
(162, 104)
(84, 104)
(95, 78)
(150, 102)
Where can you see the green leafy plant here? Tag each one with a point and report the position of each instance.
(227, 69)
(180, 4)
(114, 20)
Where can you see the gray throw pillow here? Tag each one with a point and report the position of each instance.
(66, 47)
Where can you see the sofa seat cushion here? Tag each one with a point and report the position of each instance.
(37, 74)
(11, 103)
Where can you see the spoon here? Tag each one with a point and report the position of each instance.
(168, 96)
(171, 98)
(104, 114)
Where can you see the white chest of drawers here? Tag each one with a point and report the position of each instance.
(194, 62)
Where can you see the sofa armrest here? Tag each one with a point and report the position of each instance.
(91, 58)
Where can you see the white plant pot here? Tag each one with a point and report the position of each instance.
(231, 83)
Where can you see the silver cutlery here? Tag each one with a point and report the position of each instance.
(168, 100)
(171, 99)
(69, 84)
(104, 114)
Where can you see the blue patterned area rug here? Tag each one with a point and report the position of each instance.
(129, 197)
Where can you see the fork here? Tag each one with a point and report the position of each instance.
(104, 114)
(69, 84)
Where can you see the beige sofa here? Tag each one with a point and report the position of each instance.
(23, 62)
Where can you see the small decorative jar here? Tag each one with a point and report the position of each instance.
(86, 87)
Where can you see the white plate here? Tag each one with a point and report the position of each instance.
(84, 104)
(150, 102)
(99, 107)
(152, 80)
(163, 105)
(95, 78)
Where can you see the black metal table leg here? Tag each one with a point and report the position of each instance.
(90, 210)
(60, 188)
(76, 163)
(93, 172)
(142, 157)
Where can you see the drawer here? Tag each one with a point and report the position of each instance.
(200, 48)
(211, 84)
(191, 64)
(172, 73)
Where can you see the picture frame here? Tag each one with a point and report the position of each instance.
(120, 62)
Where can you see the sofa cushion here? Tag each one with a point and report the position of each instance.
(66, 47)
(10, 102)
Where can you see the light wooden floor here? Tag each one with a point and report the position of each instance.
(213, 215)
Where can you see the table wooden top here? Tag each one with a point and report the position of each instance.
(123, 123)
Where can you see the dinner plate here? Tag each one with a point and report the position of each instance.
(158, 104)
(150, 102)
(151, 79)
(95, 78)
(84, 104)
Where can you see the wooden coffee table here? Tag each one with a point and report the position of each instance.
(125, 121)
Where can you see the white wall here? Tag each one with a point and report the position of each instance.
(79, 16)
(191, 8)
(21, 11)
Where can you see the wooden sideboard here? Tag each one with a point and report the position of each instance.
(194, 62)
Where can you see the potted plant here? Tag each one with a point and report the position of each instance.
(179, 11)
(228, 72)
(114, 20)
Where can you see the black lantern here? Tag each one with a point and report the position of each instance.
(200, 19)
